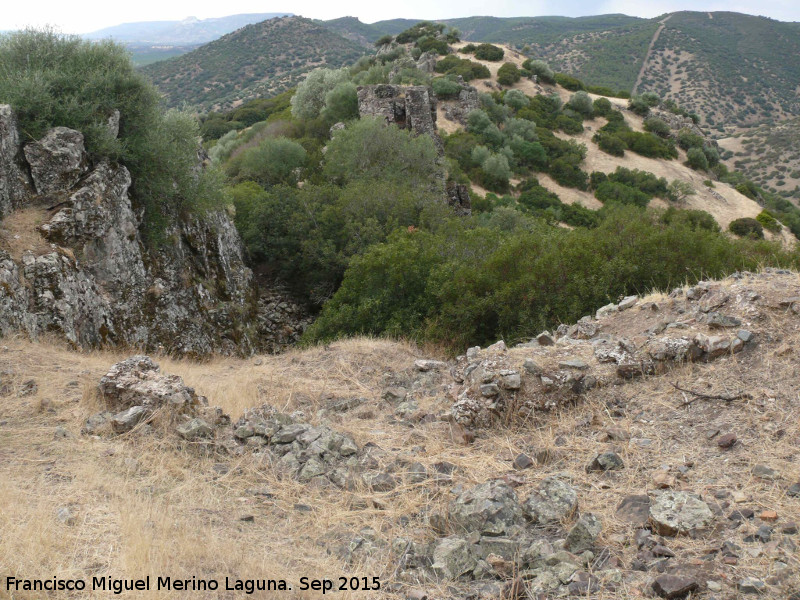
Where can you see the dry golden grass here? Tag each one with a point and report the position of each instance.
(143, 505)
(18, 232)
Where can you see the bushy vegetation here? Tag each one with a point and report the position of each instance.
(768, 221)
(747, 227)
(469, 70)
(616, 136)
(57, 80)
(489, 52)
(508, 74)
(463, 284)
(541, 70)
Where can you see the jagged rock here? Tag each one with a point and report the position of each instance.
(490, 508)
(582, 535)
(128, 419)
(427, 62)
(750, 585)
(628, 302)
(673, 513)
(634, 509)
(452, 558)
(607, 461)
(552, 501)
(458, 198)
(15, 186)
(429, 365)
(719, 321)
(138, 381)
(545, 339)
(195, 429)
(57, 161)
(467, 101)
(408, 107)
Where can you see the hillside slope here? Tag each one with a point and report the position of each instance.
(263, 59)
(715, 438)
(722, 201)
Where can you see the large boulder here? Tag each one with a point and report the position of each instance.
(138, 381)
(553, 501)
(57, 161)
(673, 513)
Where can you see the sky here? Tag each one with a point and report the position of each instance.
(82, 16)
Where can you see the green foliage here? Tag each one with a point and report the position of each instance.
(433, 45)
(610, 143)
(309, 99)
(696, 159)
(768, 221)
(567, 172)
(369, 150)
(569, 82)
(582, 104)
(341, 103)
(496, 172)
(694, 219)
(445, 88)
(56, 80)
(273, 161)
(747, 227)
(489, 52)
(257, 61)
(679, 190)
(384, 41)
(687, 139)
(657, 126)
(639, 105)
(541, 70)
(419, 30)
(643, 181)
(516, 100)
(612, 191)
(508, 74)
(569, 123)
(465, 285)
(467, 69)
(602, 107)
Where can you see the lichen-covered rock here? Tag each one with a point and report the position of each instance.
(57, 161)
(452, 558)
(583, 534)
(490, 508)
(554, 500)
(673, 513)
(138, 381)
(15, 185)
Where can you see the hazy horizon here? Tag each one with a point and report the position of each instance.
(91, 17)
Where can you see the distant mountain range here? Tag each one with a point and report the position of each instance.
(258, 60)
(189, 31)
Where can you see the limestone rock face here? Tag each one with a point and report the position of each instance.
(98, 284)
(408, 107)
(57, 161)
(15, 185)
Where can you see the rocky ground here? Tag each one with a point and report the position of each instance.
(650, 450)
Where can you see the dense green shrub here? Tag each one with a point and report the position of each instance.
(601, 107)
(768, 221)
(309, 99)
(489, 52)
(694, 219)
(688, 139)
(433, 45)
(273, 161)
(569, 82)
(508, 74)
(641, 180)
(610, 143)
(541, 70)
(516, 100)
(469, 70)
(612, 191)
(419, 30)
(581, 103)
(746, 227)
(567, 172)
(570, 123)
(341, 103)
(465, 285)
(696, 159)
(657, 126)
(384, 41)
(445, 88)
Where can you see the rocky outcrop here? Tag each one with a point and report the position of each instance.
(15, 184)
(99, 284)
(466, 102)
(408, 107)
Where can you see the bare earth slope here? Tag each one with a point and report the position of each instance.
(148, 502)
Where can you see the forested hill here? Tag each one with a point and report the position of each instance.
(258, 60)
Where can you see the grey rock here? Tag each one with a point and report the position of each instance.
(765, 472)
(490, 508)
(380, 482)
(552, 501)
(488, 390)
(794, 490)
(606, 310)
(628, 302)
(751, 585)
(394, 395)
(745, 335)
(128, 419)
(583, 534)
(531, 367)
(57, 161)
(573, 363)
(138, 381)
(429, 365)
(417, 473)
(545, 339)
(608, 461)
(497, 348)
(673, 513)
(96, 422)
(523, 461)
(719, 321)
(195, 429)
(452, 558)
(289, 433)
(510, 380)
(15, 186)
